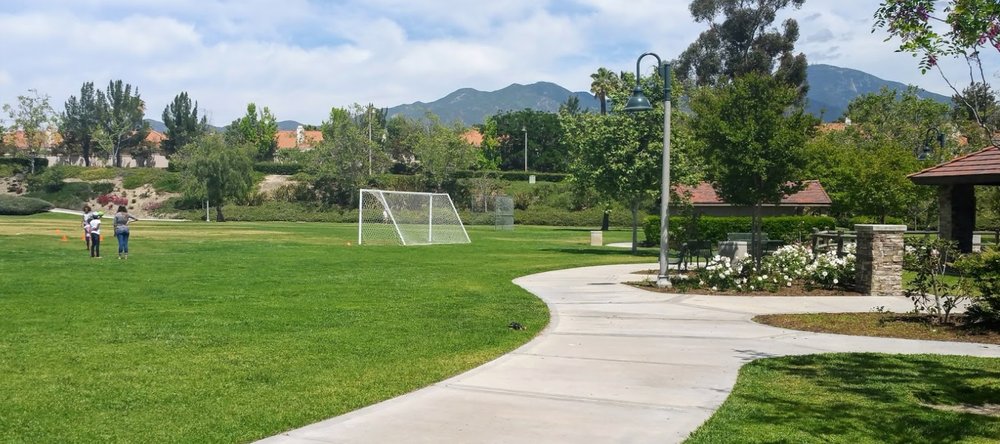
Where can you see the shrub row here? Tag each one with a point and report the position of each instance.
(512, 175)
(22, 206)
(23, 165)
(712, 228)
(277, 168)
(542, 215)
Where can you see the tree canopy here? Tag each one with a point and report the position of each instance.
(80, 122)
(256, 129)
(183, 126)
(740, 40)
(216, 170)
(122, 124)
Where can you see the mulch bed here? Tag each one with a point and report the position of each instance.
(885, 325)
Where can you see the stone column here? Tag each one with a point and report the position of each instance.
(880, 260)
(944, 212)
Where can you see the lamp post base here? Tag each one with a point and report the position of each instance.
(663, 282)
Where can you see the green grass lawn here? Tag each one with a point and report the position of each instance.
(860, 398)
(237, 331)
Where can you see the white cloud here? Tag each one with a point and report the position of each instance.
(303, 57)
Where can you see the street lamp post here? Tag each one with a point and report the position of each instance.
(525, 130)
(925, 150)
(639, 102)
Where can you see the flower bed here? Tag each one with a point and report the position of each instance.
(791, 269)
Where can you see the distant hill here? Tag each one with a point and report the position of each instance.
(831, 88)
(472, 106)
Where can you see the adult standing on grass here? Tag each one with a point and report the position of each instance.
(88, 214)
(95, 235)
(122, 218)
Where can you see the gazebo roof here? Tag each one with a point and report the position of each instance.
(979, 168)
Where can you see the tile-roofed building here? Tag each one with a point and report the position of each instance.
(298, 139)
(956, 180)
(155, 137)
(473, 137)
(979, 168)
(706, 201)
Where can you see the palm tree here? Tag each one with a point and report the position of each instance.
(602, 82)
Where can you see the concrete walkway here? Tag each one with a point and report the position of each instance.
(616, 364)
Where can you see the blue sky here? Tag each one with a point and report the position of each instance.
(300, 57)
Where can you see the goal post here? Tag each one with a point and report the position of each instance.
(408, 218)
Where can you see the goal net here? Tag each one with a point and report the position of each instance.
(406, 218)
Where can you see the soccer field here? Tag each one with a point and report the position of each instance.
(237, 331)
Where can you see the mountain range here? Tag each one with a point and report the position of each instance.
(831, 89)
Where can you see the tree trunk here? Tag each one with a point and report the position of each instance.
(605, 221)
(86, 153)
(218, 214)
(604, 103)
(635, 228)
(881, 219)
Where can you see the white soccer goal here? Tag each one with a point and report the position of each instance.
(406, 218)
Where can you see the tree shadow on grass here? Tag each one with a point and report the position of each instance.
(861, 397)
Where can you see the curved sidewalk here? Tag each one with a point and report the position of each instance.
(616, 364)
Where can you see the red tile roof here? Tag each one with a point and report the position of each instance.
(155, 137)
(813, 195)
(474, 137)
(980, 167)
(287, 139)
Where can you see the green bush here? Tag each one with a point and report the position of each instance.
(99, 188)
(715, 228)
(98, 173)
(48, 181)
(160, 179)
(23, 165)
(71, 195)
(515, 176)
(891, 220)
(399, 182)
(22, 206)
(285, 168)
(983, 270)
(69, 171)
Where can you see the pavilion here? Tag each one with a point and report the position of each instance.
(956, 181)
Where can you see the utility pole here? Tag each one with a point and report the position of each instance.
(525, 129)
(370, 106)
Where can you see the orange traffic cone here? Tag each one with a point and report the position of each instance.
(102, 238)
(58, 231)
(64, 238)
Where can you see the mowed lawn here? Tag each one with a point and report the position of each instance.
(237, 331)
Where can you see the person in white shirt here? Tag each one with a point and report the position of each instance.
(88, 214)
(95, 235)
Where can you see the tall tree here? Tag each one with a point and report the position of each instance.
(900, 117)
(973, 109)
(753, 137)
(122, 126)
(440, 151)
(620, 154)
(571, 106)
(80, 121)
(216, 170)
(35, 119)
(964, 29)
(257, 129)
(340, 163)
(547, 150)
(183, 125)
(602, 83)
(740, 40)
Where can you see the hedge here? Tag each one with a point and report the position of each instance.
(22, 206)
(541, 215)
(715, 229)
(24, 164)
(511, 175)
(287, 169)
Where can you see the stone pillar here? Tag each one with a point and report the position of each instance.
(880, 260)
(944, 212)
